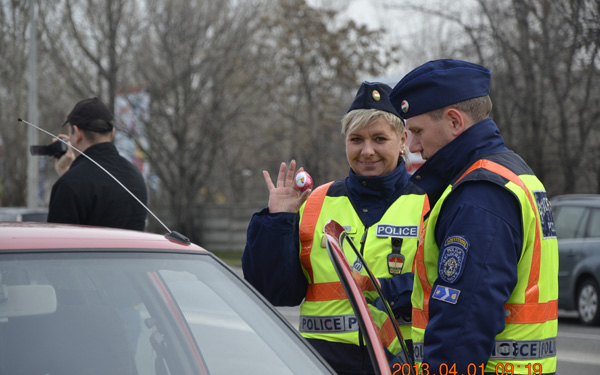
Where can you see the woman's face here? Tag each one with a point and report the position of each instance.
(375, 149)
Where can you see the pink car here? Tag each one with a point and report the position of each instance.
(83, 300)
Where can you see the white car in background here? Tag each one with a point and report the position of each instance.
(23, 214)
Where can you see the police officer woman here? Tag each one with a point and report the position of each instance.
(285, 257)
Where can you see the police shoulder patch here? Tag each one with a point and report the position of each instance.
(452, 259)
(546, 218)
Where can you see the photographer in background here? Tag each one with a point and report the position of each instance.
(84, 194)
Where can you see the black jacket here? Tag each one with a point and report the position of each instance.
(87, 195)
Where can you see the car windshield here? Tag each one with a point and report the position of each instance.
(139, 313)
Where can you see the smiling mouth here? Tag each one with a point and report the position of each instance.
(369, 163)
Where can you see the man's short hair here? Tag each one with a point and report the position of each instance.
(477, 108)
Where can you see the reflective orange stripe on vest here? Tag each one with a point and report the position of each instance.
(421, 317)
(334, 290)
(516, 313)
(325, 291)
(387, 333)
(526, 313)
(312, 210)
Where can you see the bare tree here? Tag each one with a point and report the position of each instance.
(548, 83)
(13, 93)
(544, 55)
(193, 58)
(89, 42)
(320, 64)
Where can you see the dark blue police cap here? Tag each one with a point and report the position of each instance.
(439, 83)
(374, 95)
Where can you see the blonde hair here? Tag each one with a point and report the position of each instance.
(361, 118)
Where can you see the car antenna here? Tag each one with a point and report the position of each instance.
(171, 235)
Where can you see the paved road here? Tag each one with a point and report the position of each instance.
(578, 346)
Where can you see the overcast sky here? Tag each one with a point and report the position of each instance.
(405, 25)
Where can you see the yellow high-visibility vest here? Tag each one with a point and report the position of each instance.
(326, 313)
(531, 313)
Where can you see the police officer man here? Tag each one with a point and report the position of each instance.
(84, 194)
(486, 289)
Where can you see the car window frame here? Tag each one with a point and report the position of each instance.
(581, 228)
(593, 218)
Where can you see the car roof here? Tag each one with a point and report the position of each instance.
(583, 199)
(18, 235)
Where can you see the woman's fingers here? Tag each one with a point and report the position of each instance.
(268, 181)
(289, 181)
(281, 176)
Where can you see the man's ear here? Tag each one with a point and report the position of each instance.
(79, 136)
(458, 121)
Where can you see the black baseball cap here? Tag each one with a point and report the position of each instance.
(91, 114)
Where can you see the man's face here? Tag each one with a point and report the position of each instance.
(374, 150)
(427, 135)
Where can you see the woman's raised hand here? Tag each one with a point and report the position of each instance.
(285, 196)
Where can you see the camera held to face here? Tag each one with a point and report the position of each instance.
(56, 149)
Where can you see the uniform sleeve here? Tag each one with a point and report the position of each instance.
(397, 291)
(65, 204)
(479, 234)
(271, 259)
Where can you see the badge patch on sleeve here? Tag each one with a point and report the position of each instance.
(546, 218)
(452, 259)
(443, 293)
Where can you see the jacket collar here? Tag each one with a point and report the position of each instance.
(382, 188)
(104, 148)
(437, 172)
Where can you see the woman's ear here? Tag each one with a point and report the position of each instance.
(403, 139)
